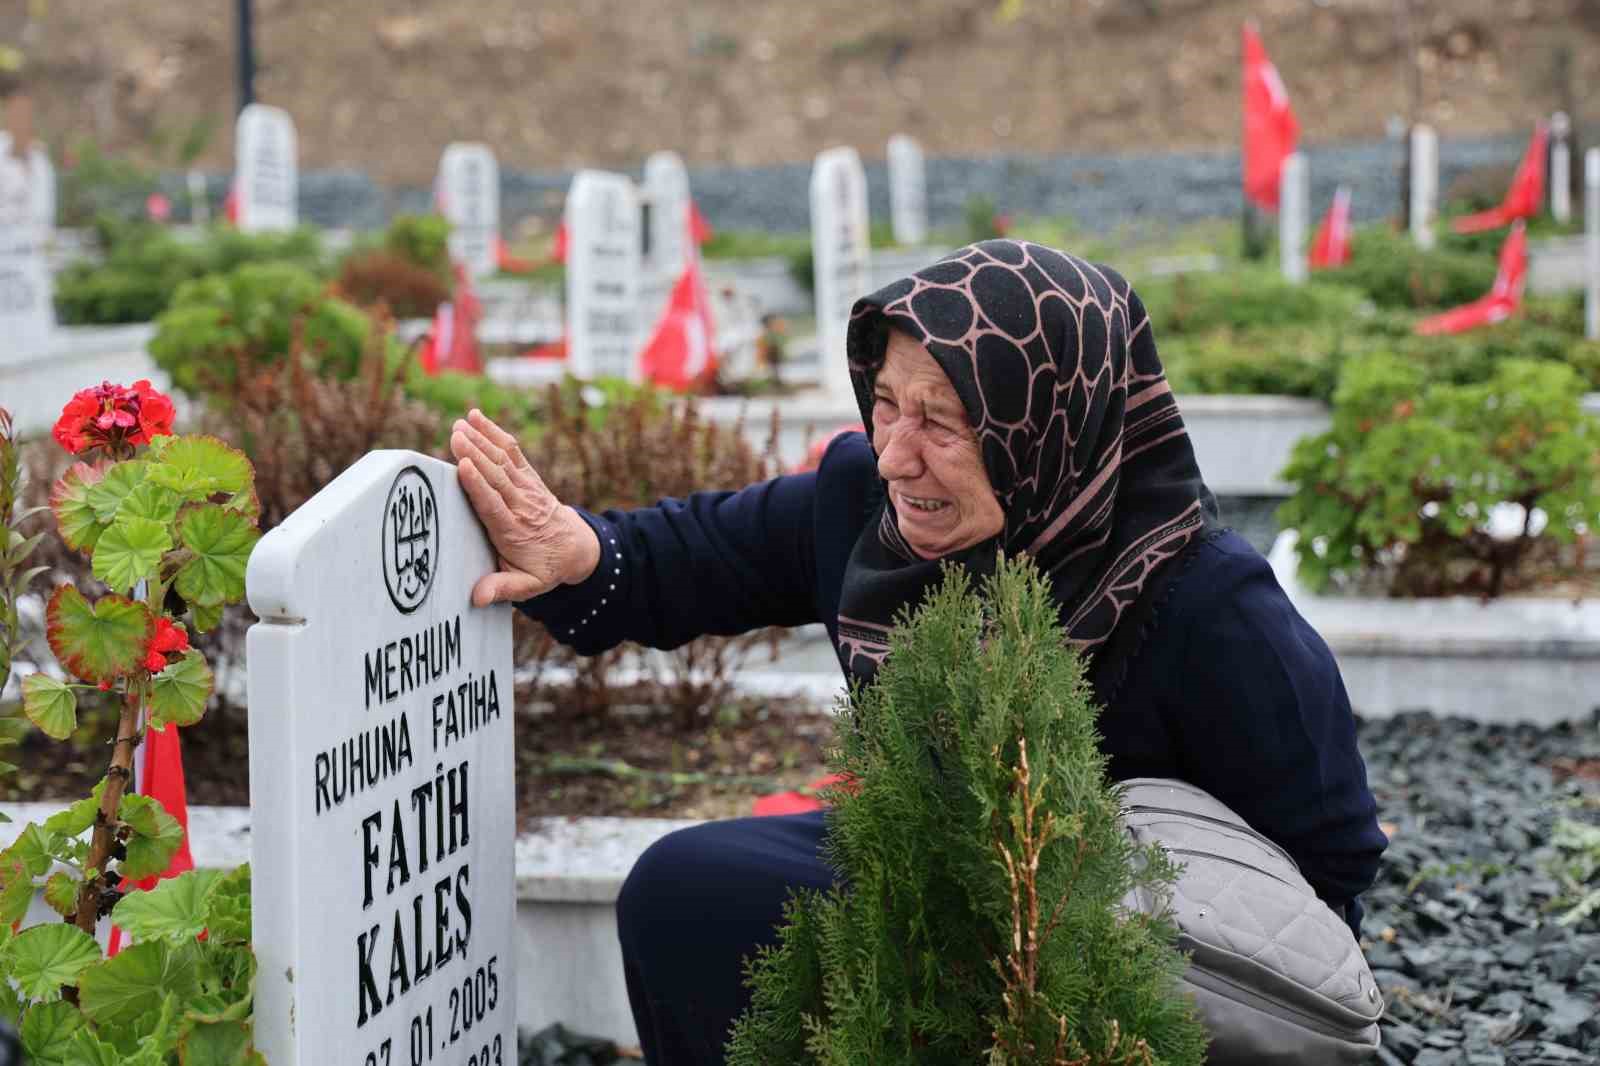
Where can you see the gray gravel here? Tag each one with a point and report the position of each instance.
(1460, 931)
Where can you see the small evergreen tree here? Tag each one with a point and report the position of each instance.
(983, 920)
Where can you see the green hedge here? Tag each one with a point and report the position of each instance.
(145, 264)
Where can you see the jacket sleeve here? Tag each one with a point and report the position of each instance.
(1264, 724)
(713, 563)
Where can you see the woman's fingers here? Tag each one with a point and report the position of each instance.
(489, 504)
(505, 587)
(493, 470)
(506, 442)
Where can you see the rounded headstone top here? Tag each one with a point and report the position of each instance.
(1560, 124)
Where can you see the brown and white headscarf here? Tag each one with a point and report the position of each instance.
(1054, 361)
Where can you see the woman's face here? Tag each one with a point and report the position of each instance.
(928, 454)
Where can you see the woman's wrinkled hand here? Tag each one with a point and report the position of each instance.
(541, 543)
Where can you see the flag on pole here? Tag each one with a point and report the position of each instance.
(1501, 301)
(452, 343)
(1525, 196)
(700, 230)
(680, 354)
(1331, 248)
(158, 773)
(1270, 128)
(230, 203)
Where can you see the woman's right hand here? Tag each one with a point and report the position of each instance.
(541, 543)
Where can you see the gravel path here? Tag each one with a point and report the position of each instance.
(1461, 929)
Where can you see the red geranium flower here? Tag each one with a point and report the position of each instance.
(113, 417)
(168, 640)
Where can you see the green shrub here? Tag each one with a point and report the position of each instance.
(145, 264)
(979, 837)
(1393, 272)
(422, 240)
(452, 394)
(1295, 361)
(1401, 488)
(220, 323)
(1241, 299)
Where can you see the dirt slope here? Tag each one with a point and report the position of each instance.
(383, 85)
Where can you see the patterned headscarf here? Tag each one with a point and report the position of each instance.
(1054, 361)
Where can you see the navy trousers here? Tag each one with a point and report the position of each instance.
(695, 906)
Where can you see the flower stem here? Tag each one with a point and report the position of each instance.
(105, 820)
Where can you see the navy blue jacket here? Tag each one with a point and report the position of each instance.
(1231, 690)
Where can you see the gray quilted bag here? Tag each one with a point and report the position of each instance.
(1276, 973)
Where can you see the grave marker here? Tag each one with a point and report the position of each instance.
(1424, 184)
(469, 186)
(1591, 225)
(27, 314)
(381, 778)
(266, 169)
(908, 190)
(666, 191)
(840, 253)
(1294, 218)
(603, 276)
(1561, 167)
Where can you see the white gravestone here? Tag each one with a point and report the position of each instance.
(27, 315)
(666, 190)
(603, 276)
(1294, 218)
(908, 190)
(1561, 167)
(841, 257)
(469, 182)
(1591, 225)
(1424, 184)
(381, 778)
(266, 169)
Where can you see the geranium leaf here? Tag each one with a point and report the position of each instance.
(16, 892)
(45, 957)
(69, 502)
(47, 1030)
(131, 985)
(197, 466)
(89, 1050)
(107, 494)
(204, 618)
(130, 551)
(157, 835)
(179, 693)
(10, 1002)
(152, 501)
(175, 909)
(50, 705)
(221, 541)
(228, 907)
(61, 893)
(98, 642)
(218, 1044)
(78, 817)
(32, 848)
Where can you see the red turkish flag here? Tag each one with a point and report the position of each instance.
(1331, 248)
(1523, 199)
(452, 343)
(700, 230)
(680, 354)
(1270, 129)
(559, 252)
(1501, 301)
(230, 204)
(159, 774)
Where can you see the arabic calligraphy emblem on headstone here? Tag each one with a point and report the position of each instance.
(410, 539)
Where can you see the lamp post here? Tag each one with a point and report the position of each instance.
(246, 54)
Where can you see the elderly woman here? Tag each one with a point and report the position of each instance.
(1015, 402)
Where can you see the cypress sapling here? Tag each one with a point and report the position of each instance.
(985, 912)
